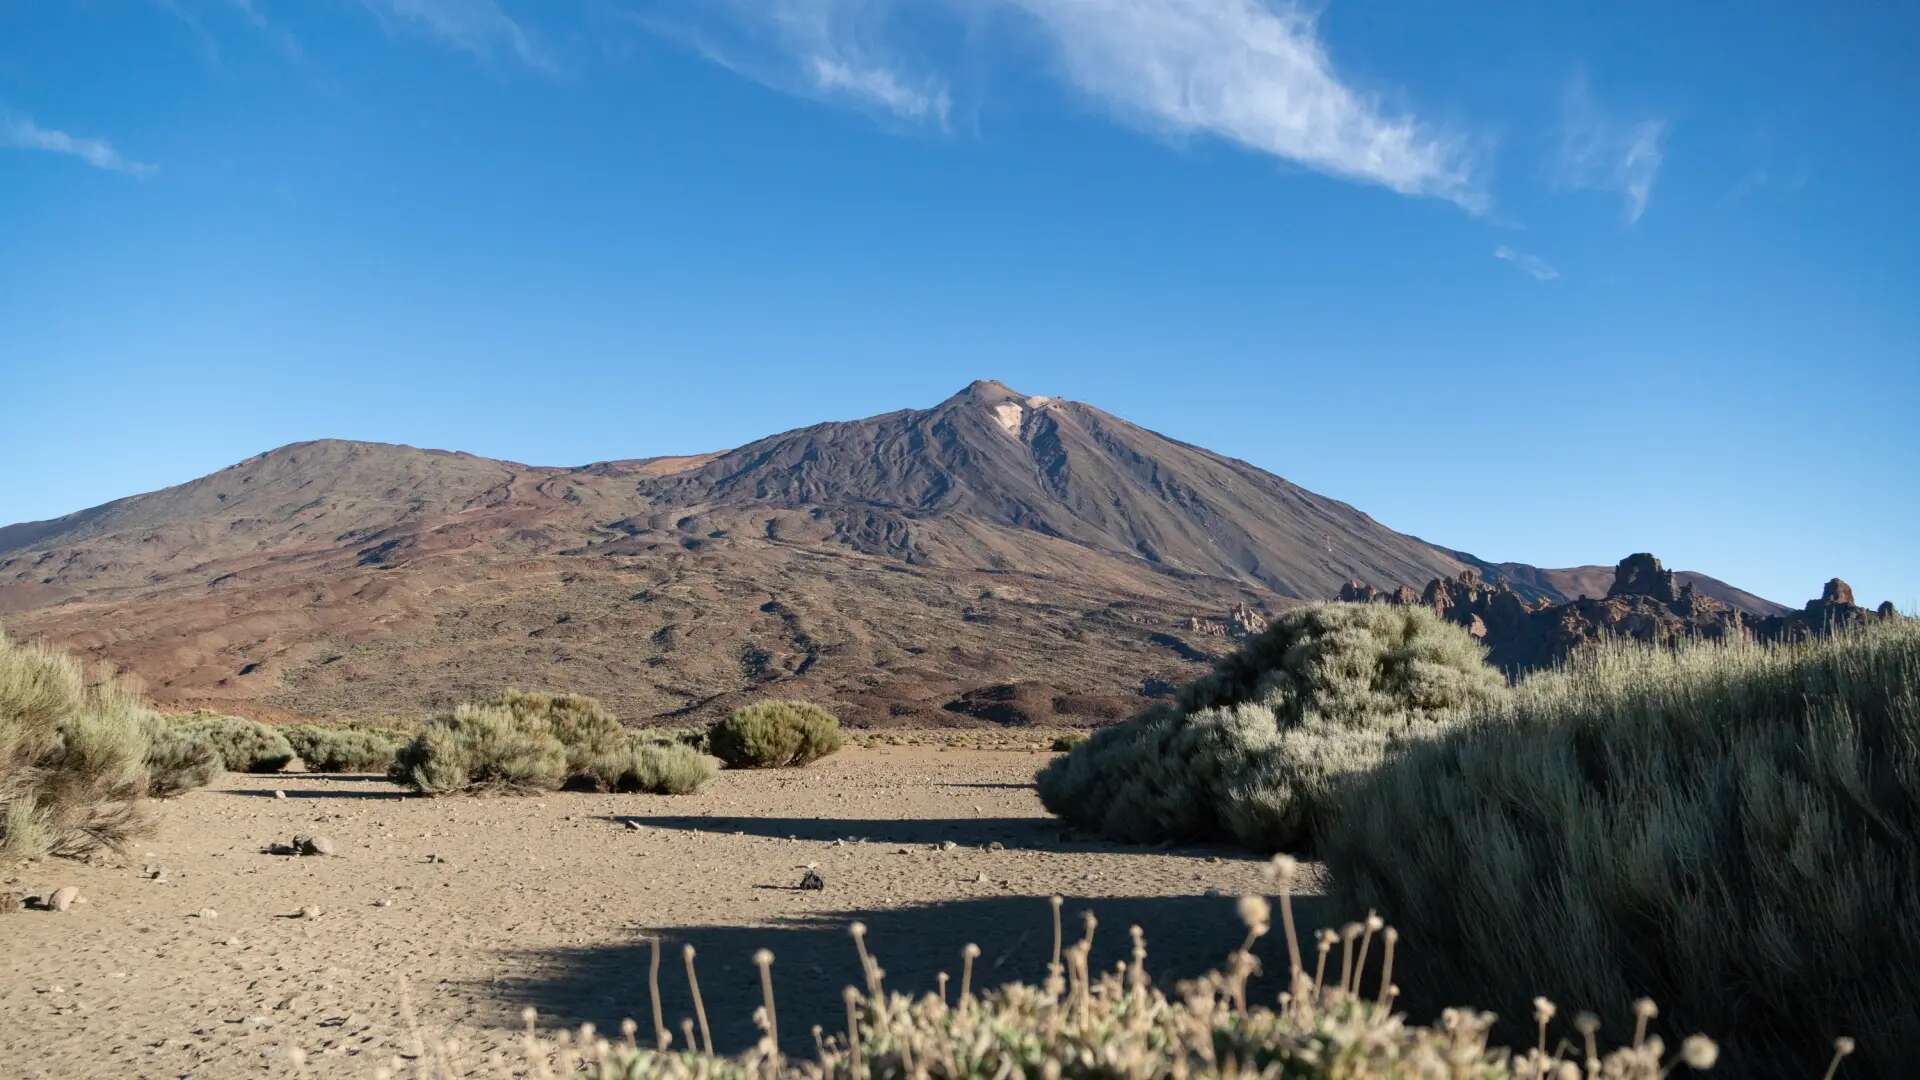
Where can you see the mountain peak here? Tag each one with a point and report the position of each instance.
(988, 391)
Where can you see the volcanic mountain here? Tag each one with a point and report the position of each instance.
(904, 567)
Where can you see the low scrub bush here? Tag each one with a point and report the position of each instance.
(1338, 1022)
(244, 746)
(343, 749)
(522, 742)
(660, 769)
(1731, 829)
(774, 734)
(78, 757)
(178, 761)
(1255, 750)
(482, 748)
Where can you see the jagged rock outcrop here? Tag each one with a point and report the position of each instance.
(1645, 603)
(1241, 622)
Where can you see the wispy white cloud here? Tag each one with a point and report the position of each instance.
(1601, 151)
(1254, 73)
(1533, 266)
(836, 50)
(480, 27)
(882, 87)
(23, 134)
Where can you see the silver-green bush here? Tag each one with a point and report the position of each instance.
(78, 757)
(245, 746)
(661, 769)
(527, 742)
(1255, 750)
(1731, 829)
(178, 761)
(342, 749)
(775, 734)
(482, 749)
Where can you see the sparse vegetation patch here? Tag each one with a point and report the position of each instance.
(526, 742)
(1338, 1020)
(1255, 750)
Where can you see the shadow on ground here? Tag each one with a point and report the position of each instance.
(1025, 833)
(814, 959)
(319, 793)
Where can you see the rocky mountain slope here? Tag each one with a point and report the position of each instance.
(906, 568)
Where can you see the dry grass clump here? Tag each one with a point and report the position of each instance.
(245, 746)
(1256, 750)
(524, 743)
(1734, 829)
(79, 757)
(775, 734)
(1337, 1020)
(343, 749)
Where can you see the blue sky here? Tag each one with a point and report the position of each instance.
(1549, 283)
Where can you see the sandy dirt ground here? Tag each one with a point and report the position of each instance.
(467, 911)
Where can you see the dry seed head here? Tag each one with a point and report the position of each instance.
(763, 957)
(1282, 868)
(528, 1015)
(628, 1027)
(1843, 1045)
(1646, 1009)
(1255, 911)
(1567, 1071)
(1543, 1009)
(857, 929)
(1375, 923)
(850, 996)
(1350, 931)
(971, 952)
(1586, 1023)
(1699, 1052)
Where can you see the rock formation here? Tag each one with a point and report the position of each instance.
(1644, 603)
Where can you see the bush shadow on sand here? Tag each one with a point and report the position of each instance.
(1022, 833)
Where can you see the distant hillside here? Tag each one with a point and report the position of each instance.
(891, 565)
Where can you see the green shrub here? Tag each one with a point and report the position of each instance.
(774, 734)
(1064, 743)
(245, 746)
(594, 739)
(178, 761)
(343, 749)
(1255, 750)
(482, 748)
(661, 769)
(73, 772)
(1731, 829)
